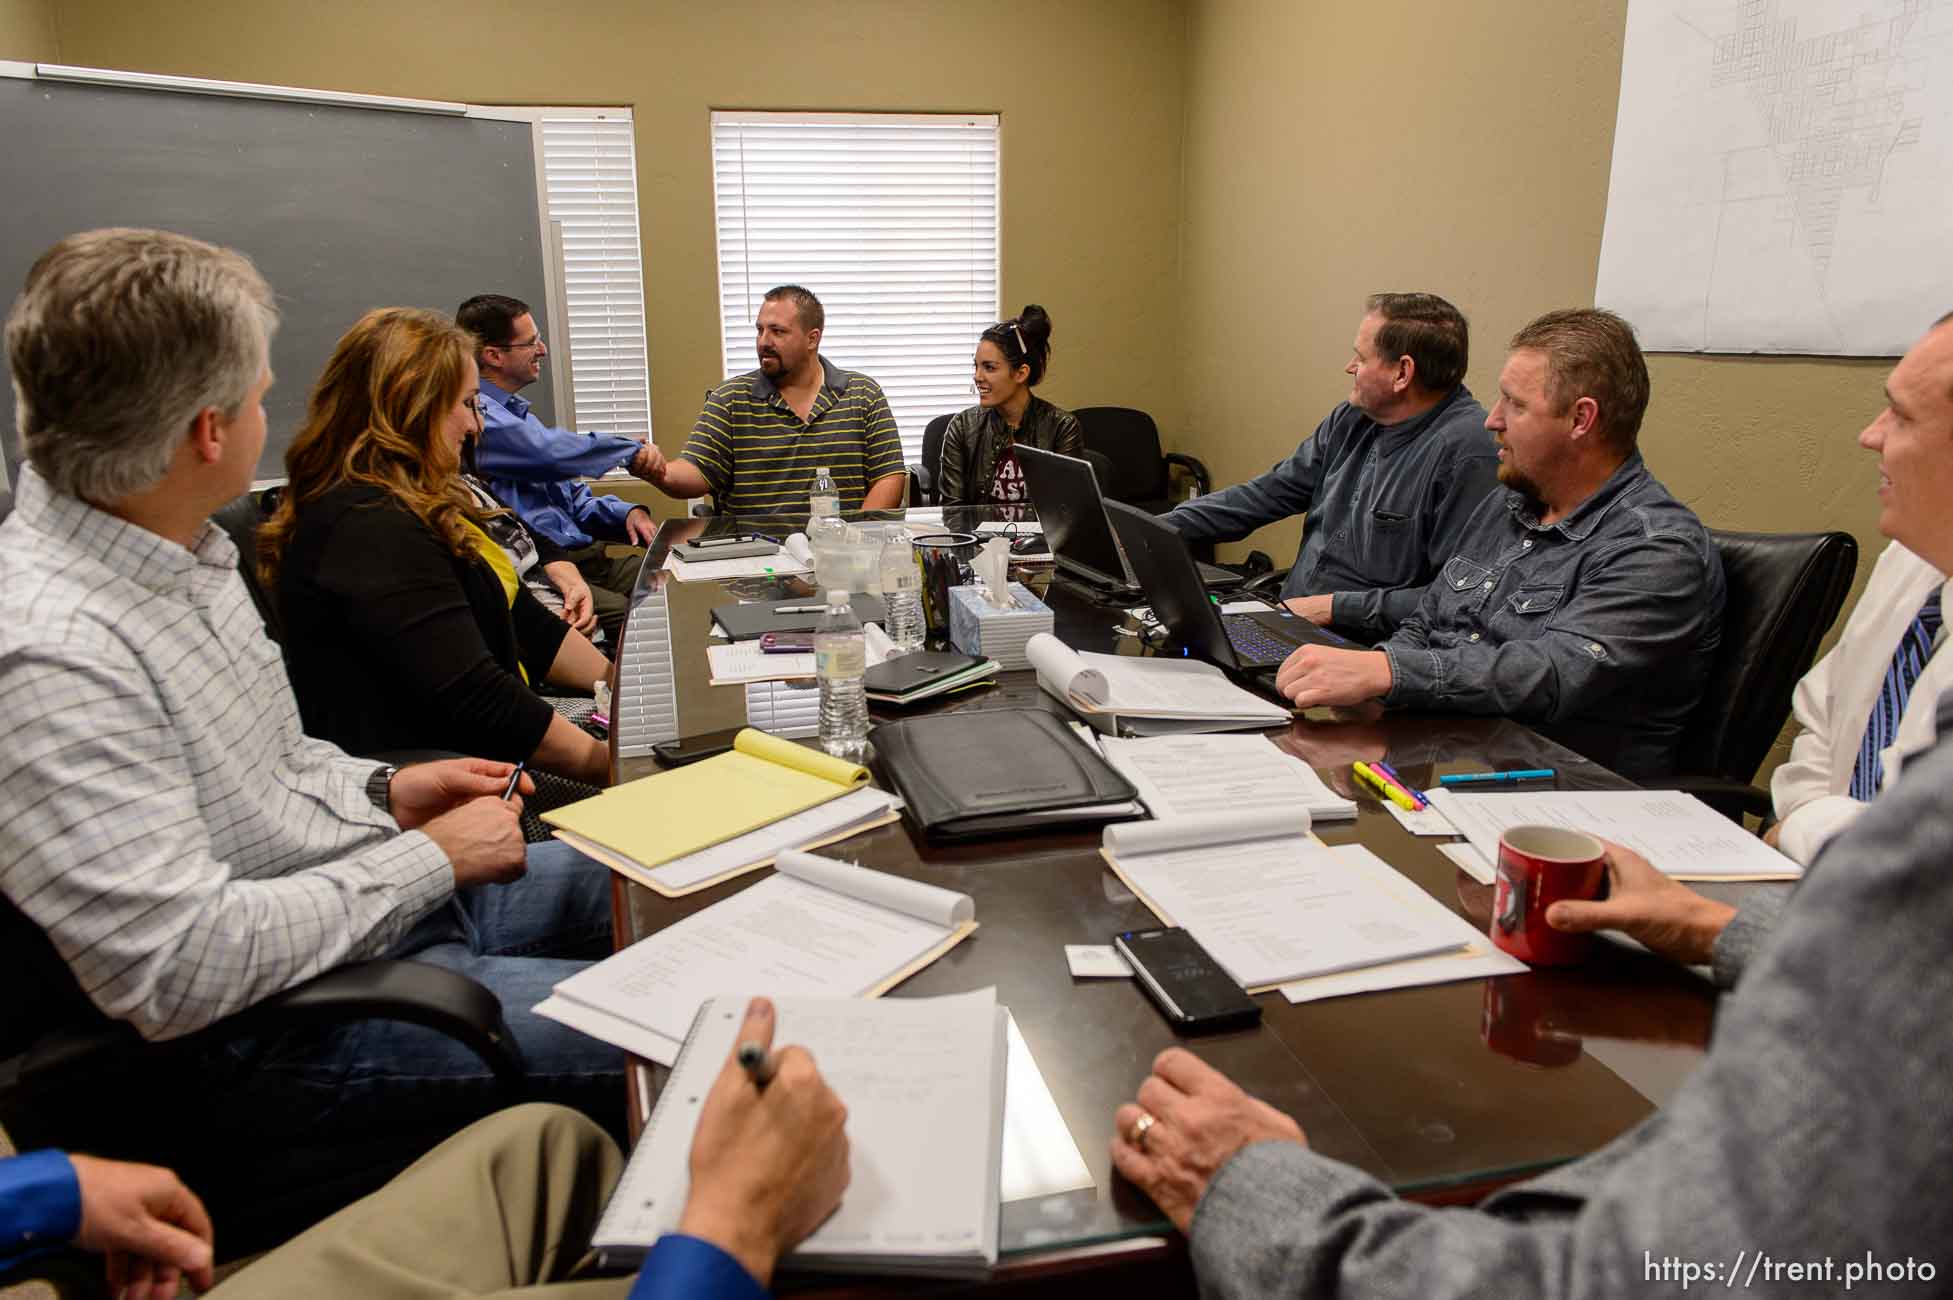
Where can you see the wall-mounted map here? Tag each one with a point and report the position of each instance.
(1783, 175)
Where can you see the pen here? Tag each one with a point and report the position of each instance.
(514, 778)
(757, 1063)
(704, 542)
(1383, 787)
(1416, 795)
(1522, 774)
(800, 609)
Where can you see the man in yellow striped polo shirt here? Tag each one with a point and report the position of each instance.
(762, 436)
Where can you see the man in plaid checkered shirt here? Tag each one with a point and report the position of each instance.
(185, 848)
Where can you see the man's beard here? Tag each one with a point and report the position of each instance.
(1511, 477)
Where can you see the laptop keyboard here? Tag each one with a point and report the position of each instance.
(1254, 643)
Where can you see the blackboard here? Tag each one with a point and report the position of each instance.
(343, 209)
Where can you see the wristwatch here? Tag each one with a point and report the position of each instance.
(379, 787)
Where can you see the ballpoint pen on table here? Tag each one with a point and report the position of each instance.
(799, 609)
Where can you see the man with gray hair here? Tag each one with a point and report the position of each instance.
(1584, 599)
(185, 849)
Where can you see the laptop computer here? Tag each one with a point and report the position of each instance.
(1254, 644)
(1071, 509)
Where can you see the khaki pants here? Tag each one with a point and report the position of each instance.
(503, 1208)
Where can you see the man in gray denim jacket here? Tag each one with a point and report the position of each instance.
(1584, 600)
(1388, 479)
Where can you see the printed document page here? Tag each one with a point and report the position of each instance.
(1274, 910)
(781, 934)
(1677, 832)
(1187, 775)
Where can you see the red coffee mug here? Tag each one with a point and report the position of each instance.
(1539, 866)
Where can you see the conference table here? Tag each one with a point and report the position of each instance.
(1445, 1092)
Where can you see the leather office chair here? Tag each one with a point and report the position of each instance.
(1140, 473)
(1785, 591)
(70, 1077)
(926, 478)
(240, 517)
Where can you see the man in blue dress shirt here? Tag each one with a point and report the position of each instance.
(538, 469)
(506, 1204)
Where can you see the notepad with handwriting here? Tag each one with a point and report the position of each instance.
(923, 1080)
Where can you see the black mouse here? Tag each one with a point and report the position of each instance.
(1029, 544)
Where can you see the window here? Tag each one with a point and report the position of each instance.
(890, 219)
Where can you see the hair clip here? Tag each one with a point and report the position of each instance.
(1020, 339)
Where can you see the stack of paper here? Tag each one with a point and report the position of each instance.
(1267, 900)
(1676, 832)
(1474, 957)
(1131, 695)
(740, 662)
(794, 557)
(1191, 775)
(694, 826)
(817, 927)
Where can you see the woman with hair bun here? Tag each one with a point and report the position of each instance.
(979, 465)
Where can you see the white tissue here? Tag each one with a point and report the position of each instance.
(992, 566)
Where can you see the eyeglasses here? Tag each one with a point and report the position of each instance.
(530, 346)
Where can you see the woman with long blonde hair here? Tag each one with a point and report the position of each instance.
(406, 626)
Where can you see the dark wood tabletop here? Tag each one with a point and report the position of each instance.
(1443, 1092)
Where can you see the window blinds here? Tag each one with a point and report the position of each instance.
(891, 220)
(589, 175)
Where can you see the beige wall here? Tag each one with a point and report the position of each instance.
(1335, 150)
(1091, 115)
(27, 31)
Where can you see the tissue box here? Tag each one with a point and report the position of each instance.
(976, 627)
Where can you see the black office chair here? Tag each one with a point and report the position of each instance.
(72, 1078)
(925, 479)
(240, 517)
(1785, 591)
(1140, 473)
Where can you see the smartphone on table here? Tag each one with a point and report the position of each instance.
(786, 643)
(1187, 985)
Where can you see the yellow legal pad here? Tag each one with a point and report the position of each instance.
(670, 814)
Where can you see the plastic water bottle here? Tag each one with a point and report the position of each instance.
(840, 659)
(824, 504)
(902, 593)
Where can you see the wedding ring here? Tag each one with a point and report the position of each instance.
(1140, 1128)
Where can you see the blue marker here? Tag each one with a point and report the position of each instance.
(1475, 778)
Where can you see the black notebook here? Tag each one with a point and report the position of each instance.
(995, 771)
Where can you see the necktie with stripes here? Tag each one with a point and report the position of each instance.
(1908, 661)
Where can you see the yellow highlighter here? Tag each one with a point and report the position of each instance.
(1369, 777)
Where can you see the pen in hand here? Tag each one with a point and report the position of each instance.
(515, 779)
(757, 1062)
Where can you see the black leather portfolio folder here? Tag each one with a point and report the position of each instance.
(992, 771)
(748, 620)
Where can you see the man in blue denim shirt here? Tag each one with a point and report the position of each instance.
(1387, 480)
(1583, 600)
(538, 469)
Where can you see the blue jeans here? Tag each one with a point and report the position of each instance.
(345, 1108)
